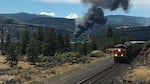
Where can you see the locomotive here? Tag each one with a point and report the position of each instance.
(127, 51)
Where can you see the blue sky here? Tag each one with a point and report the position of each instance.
(62, 8)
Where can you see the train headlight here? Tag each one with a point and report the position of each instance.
(116, 55)
(119, 50)
(121, 55)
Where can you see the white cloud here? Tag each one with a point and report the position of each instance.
(61, 1)
(141, 2)
(47, 14)
(72, 16)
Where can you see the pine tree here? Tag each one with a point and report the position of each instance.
(40, 39)
(82, 48)
(93, 45)
(49, 45)
(7, 44)
(24, 41)
(12, 55)
(67, 43)
(109, 32)
(2, 39)
(60, 42)
(32, 50)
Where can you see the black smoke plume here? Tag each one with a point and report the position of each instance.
(96, 15)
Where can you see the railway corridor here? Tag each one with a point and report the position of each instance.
(113, 74)
(106, 76)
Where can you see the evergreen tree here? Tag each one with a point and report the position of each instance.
(93, 45)
(2, 39)
(49, 45)
(24, 41)
(67, 43)
(82, 48)
(32, 50)
(7, 44)
(40, 39)
(12, 55)
(109, 32)
(60, 47)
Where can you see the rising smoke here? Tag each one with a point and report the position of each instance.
(96, 15)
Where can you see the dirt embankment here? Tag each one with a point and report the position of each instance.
(140, 72)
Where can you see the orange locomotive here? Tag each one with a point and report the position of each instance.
(120, 53)
(125, 52)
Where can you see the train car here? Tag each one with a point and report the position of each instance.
(135, 48)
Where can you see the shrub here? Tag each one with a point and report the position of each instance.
(147, 45)
(96, 53)
(43, 58)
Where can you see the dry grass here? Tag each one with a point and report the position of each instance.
(2, 65)
(24, 65)
(141, 73)
(148, 55)
(66, 67)
(38, 74)
(68, 70)
(97, 53)
(4, 77)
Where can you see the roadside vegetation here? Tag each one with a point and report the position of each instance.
(54, 47)
(47, 49)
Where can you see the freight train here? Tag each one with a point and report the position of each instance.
(127, 51)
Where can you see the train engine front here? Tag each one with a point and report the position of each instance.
(120, 53)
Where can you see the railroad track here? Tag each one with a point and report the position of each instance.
(94, 78)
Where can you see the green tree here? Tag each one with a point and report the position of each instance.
(2, 39)
(67, 43)
(60, 47)
(24, 41)
(93, 45)
(12, 56)
(49, 45)
(40, 39)
(82, 48)
(7, 44)
(109, 32)
(32, 50)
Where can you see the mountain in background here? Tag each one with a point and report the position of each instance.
(68, 25)
(21, 17)
(57, 23)
(128, 20)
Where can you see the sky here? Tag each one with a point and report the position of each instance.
(68, 8)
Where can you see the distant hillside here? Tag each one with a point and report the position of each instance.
(135, 33)
(57, 23)
(128, 20)
(4, 20)
(68, 25)
(19, 16)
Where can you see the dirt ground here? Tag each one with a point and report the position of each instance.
(26, 73)
(29, 73)
(141, 72)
